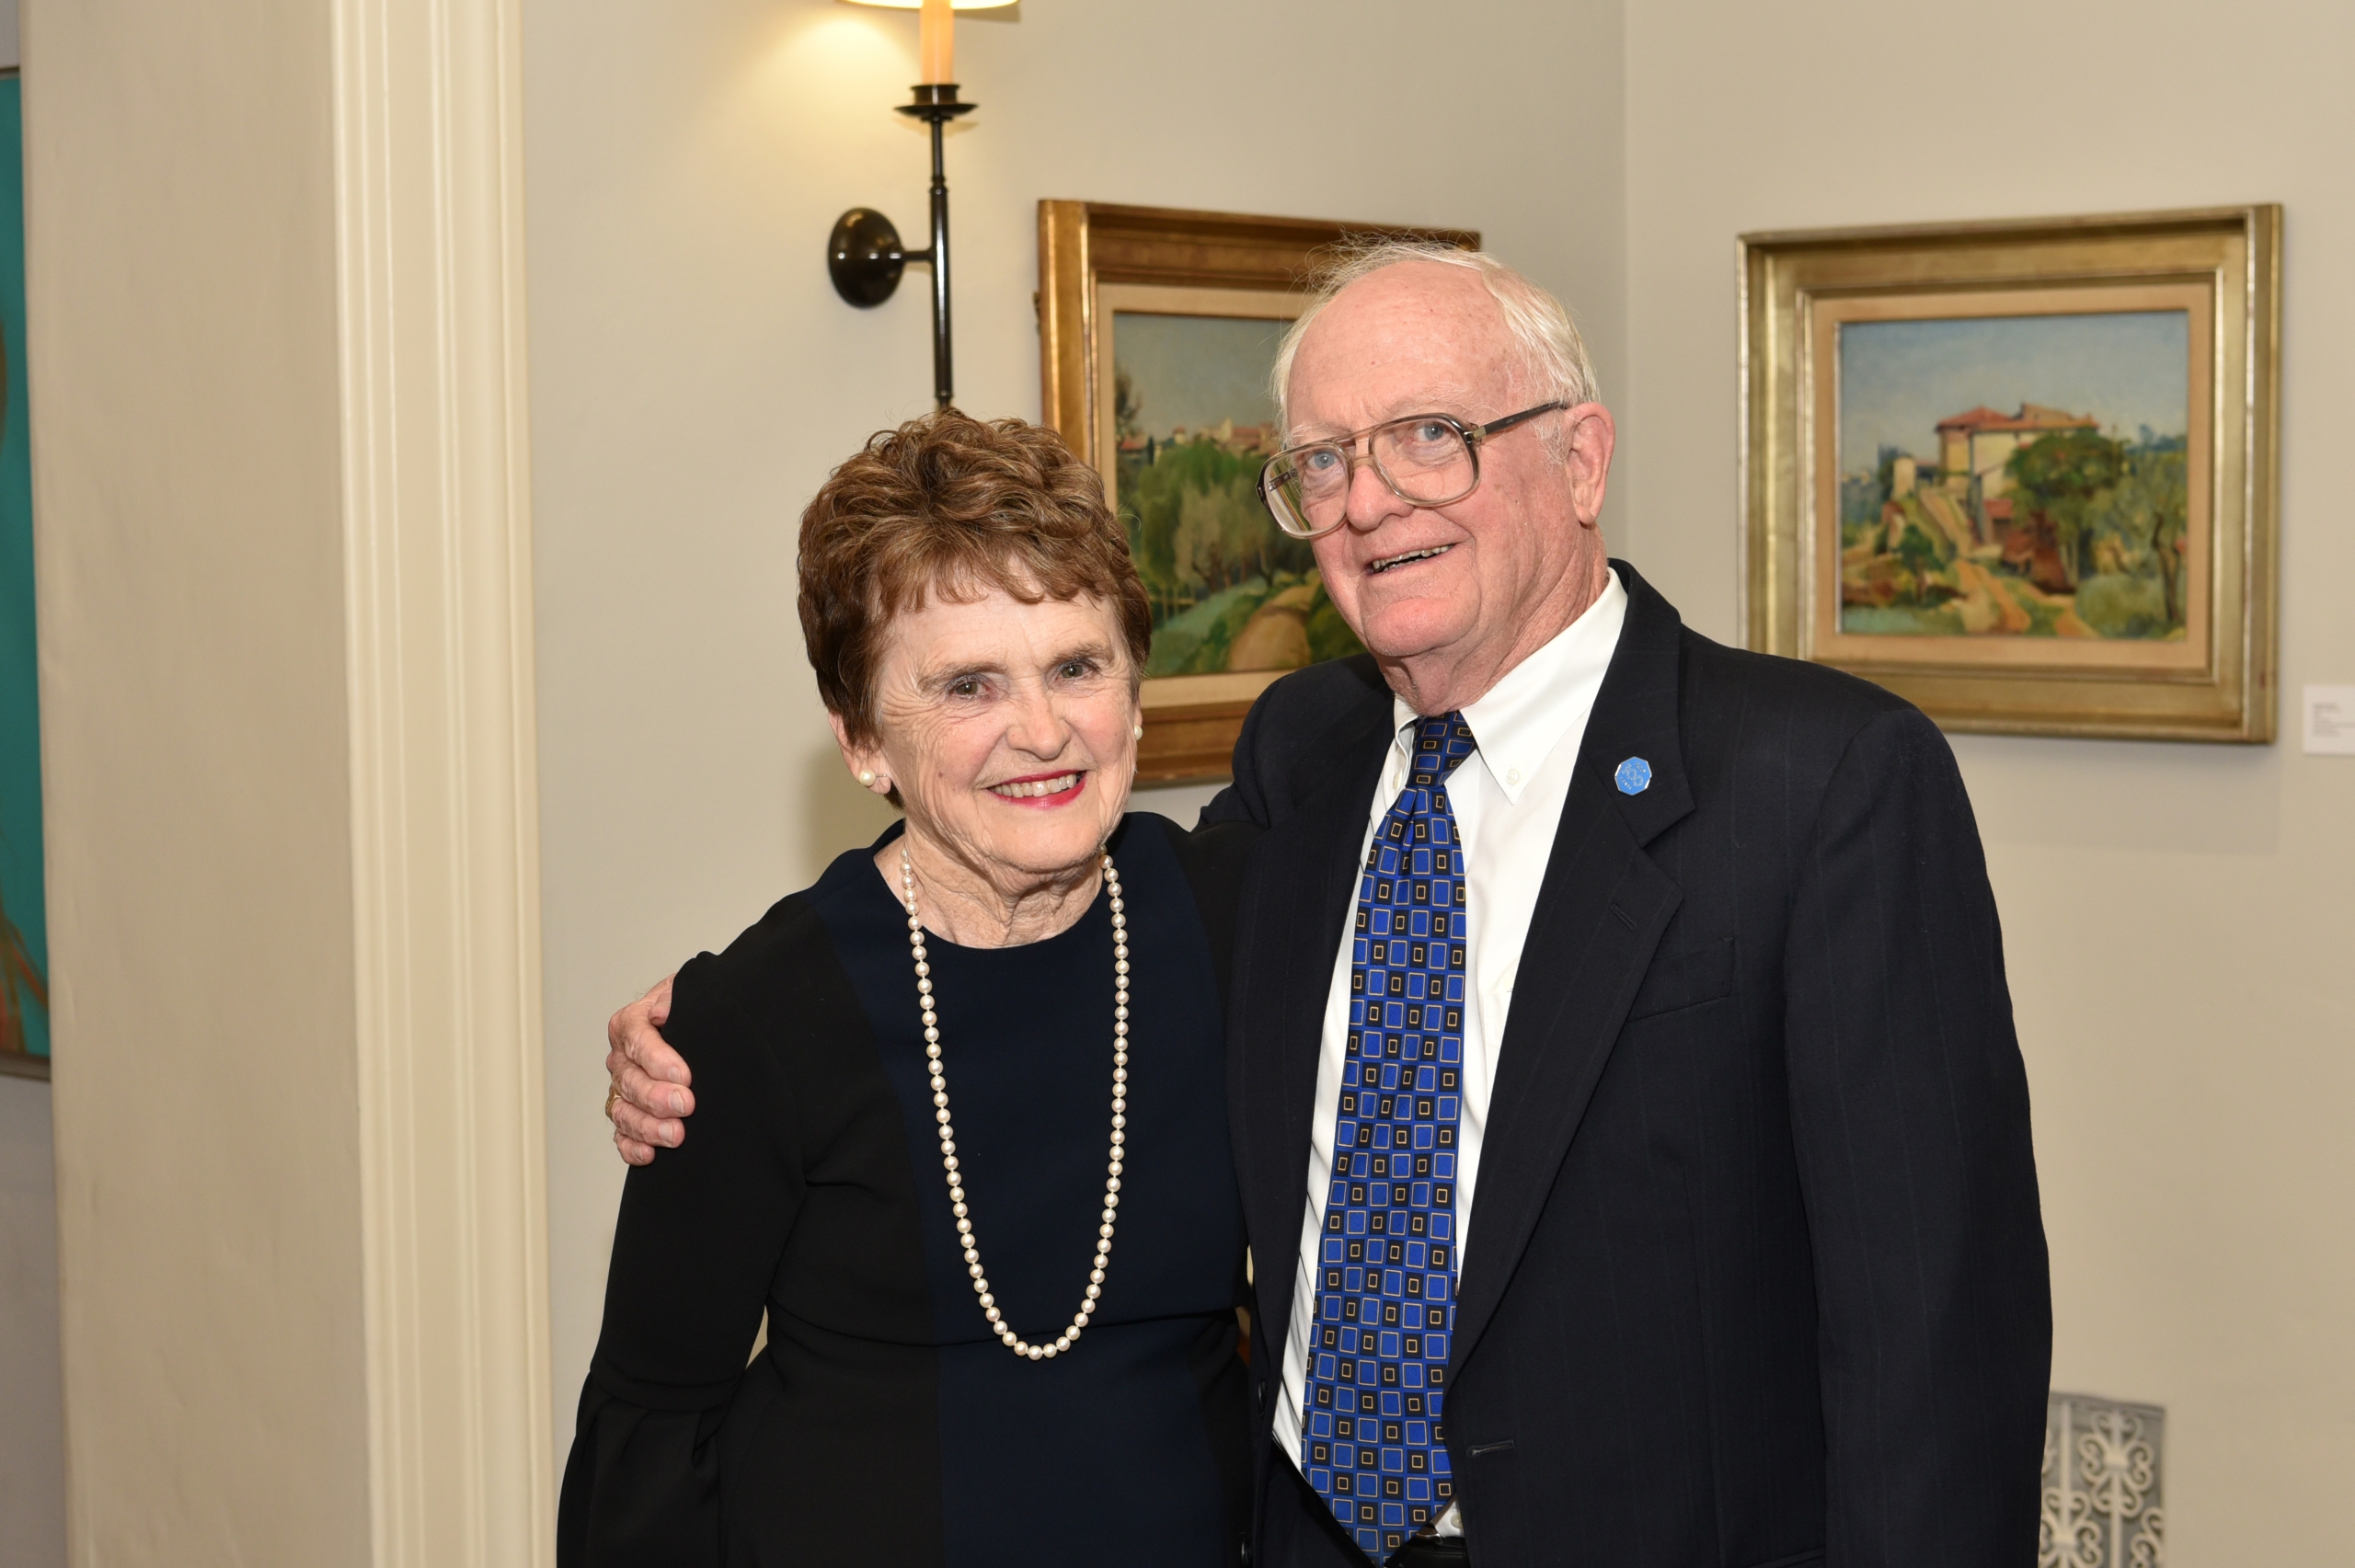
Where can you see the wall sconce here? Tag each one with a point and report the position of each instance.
(864, 255)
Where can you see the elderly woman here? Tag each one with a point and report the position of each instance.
(963, 1133)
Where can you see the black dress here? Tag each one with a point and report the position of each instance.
(884, 1423)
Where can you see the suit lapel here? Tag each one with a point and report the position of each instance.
(1325, 880)
(1300, 887)
(1600, 913)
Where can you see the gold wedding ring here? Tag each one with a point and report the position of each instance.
(612, 1095)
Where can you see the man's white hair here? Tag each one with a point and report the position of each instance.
(1550, 356)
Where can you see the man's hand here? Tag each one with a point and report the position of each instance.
(650, 1095)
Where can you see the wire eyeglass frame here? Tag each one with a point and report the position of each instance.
(1470, 436)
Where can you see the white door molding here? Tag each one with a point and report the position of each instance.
(445, 830)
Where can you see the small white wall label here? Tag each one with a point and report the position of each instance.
(2330, 721)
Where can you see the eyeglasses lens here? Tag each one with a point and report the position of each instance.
(1422, 460)
(1425, 459)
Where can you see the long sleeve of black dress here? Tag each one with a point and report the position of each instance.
(883, 1424)
(699, 1235)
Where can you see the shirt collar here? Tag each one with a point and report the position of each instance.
(1520, 720)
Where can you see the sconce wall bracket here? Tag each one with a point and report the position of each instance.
(865, 256)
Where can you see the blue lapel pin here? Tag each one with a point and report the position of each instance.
(1634, 776)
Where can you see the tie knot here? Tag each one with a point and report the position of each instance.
(1441, 742)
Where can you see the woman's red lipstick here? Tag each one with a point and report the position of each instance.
(1060, 798)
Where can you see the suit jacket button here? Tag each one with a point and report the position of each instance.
(1259, 1395)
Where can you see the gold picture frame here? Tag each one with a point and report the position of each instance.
(1097, 261)
(2084, 544)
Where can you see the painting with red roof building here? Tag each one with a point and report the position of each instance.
(2015, 476)
(2022, 474)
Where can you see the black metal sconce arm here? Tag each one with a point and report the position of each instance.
(864, 255)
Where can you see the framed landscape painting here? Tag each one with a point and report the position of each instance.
(2021, 474)
(1157, 332)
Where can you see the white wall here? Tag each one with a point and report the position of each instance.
(2180, 919)
(693, 377)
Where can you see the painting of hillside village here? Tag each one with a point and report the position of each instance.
(1193, 422)
(2015, 476)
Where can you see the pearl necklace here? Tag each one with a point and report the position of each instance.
(966, 1238)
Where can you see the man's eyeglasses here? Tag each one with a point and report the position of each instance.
(1427, 460)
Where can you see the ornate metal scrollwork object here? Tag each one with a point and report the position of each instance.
(2101, 1484)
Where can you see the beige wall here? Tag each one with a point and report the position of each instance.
(2178, 919)
(32, 1446)
(274, 289)
(180, 209)
(693, 377)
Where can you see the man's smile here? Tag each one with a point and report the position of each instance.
(1387, 562)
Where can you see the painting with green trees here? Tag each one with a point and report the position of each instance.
(1193, 422)
(2015, 476)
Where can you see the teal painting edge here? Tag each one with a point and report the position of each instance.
(22, 874)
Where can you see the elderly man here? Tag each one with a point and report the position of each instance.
(1675, 967)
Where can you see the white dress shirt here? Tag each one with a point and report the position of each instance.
(1506, 797)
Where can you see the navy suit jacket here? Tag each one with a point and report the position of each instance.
(1760, 1276)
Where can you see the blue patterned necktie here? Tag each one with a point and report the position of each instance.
(1370, 1436)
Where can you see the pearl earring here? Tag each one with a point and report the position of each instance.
(1137, 734)
(867, 776)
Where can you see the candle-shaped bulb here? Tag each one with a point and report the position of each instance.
(936, 42)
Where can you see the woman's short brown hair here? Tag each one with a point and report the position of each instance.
(956, 505)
